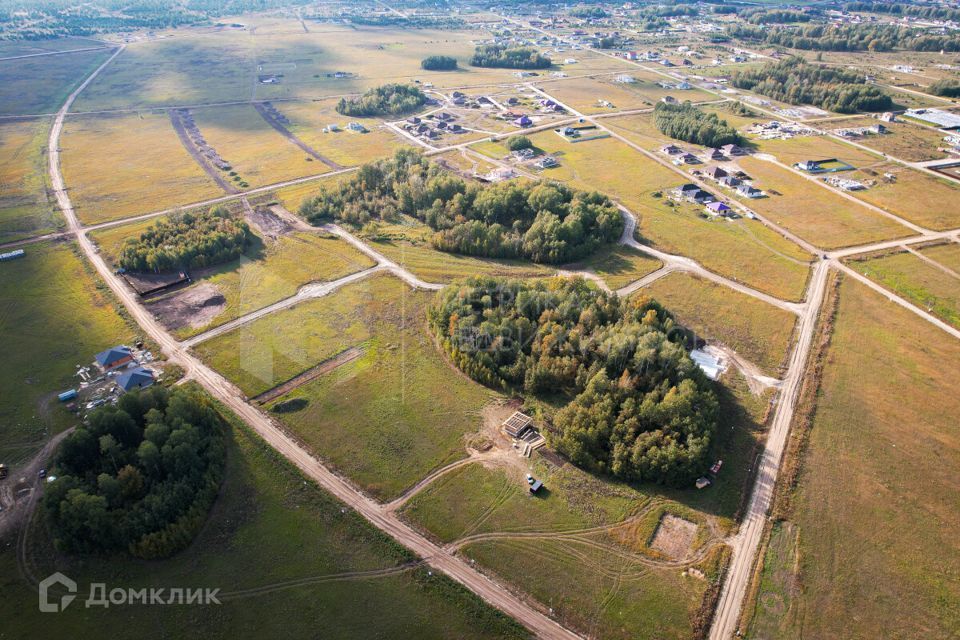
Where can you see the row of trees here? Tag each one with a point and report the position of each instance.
(543, 222)
(187, 241)
(439, 63)
(855, 37)
(774, 16)
(688, 123)
(927, 11)
(139, 477)
(500, 56)
(388, 99)
(795, 81)
(638, 407)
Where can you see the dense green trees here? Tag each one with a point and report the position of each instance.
(439, 63)
(500, 56)
(946, 87)
(928, 11)
(388, 99)
(138, 477)
(852, 37)
(517, 143)
(543, 222)
(638, 409)
(187, 240)
(774, 16)
(796, 81)
(688, 123)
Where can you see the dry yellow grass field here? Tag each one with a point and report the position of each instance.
(121, 165)
(25, 208)
(812, 211)
(347, 148)
(759, 332)
(877, 547)
(918, 197)
(584, 94)
(258, 153)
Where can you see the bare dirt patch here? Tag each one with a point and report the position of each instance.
(194, 307)
(326, 366)
(674, 536)
(268, 223)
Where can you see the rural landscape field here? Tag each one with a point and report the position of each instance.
(467, 320)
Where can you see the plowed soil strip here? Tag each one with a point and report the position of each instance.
(196, 155)
(326, 366)
(273, 122)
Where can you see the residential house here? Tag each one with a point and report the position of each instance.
(718, 209)
(114, 357)
(714, 173)
(749, 191)
(138, 378)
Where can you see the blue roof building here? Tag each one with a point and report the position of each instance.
(138, 378)
(114, 357)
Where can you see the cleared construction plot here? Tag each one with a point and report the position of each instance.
(25, 209)
(408, 244)
(931, 288)
(191, 68)
(757, 331)
(346, 147)
(40, 85)
(812, 211)
(877, 534)
(918, 197)
(258, 153)
(589, 95)
(305, 558)
(54, 316)
(744, 250)
(121, 165)
(269, 271)
(388, 418)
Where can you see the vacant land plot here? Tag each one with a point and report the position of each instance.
(54, 316)
(192, 68)
(620, 265)
(269, 271)
(918, 197)
(744, 250)
(812, 211)
(904, 140)
(921, 283)
(258, 153)
(392, 415)
(759, 332)
(947, 254)
(9, 48)
(303, 552)
(117, 166)
(40, 85)
(408, 245)
(344, 147)
(641, 130)
(587, 95)
(25, 208)
(877, 543)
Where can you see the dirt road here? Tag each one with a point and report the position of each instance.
(278, 126)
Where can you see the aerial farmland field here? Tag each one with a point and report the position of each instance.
(400, 321)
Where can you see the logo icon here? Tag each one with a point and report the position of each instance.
(56, 579)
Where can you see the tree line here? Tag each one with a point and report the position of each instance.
(138, 477)
(945, 87)
(774, 16)
(795, 81)
(929, 12)
(388, 99)
(688, 123)
(439, 63)
(542, 222)
(853, 37)
(501, 56)
(635, 405)
(187, 241)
